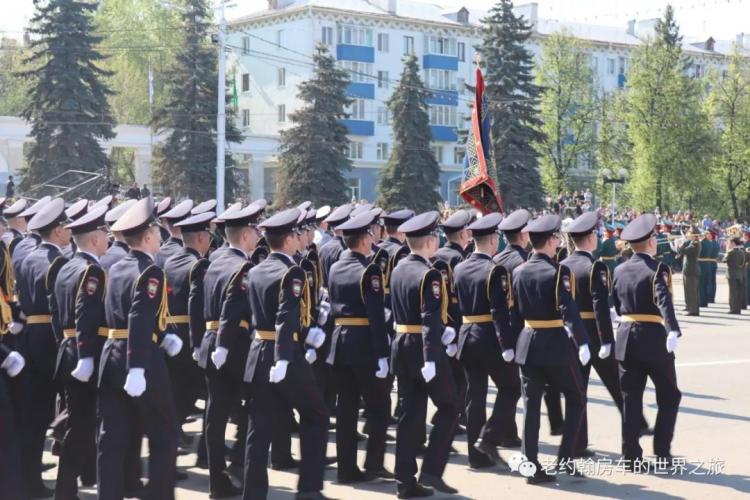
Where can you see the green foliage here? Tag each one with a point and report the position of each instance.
(412, 164)
(567, 110)
(14, 91)
(514, 98)
(185, 163)
(67, 107)
(313, 155)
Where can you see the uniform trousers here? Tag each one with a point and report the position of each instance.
(10, 467)
(224, 393)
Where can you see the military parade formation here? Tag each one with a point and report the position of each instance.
(115, 319)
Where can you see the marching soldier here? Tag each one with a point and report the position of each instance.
(359, 352)
(713, 265)
(179, 271)
(164, 205)
(646, 340)
(392, 221)
(419, 302)
(329, 253)
(607, 251)
(543, 291)
(119, 249)
(483, 290)
(40, 336)
(322, 236)
(592, 284)
(735, 260)
(170, 219)
(134, 386)
(16, 224)
(220, 228)
(79, 294)
(664, 252)
(226, 341)
(689, 251)
(20, 250)
(277, 372)
(704, 264)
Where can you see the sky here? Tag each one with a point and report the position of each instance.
(722, 19)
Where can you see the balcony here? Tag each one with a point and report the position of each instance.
(443, 98)
(443, 133)
(437, 61)
(359, 127)
(356, 53)
(361, 90)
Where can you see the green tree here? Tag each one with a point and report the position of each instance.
(514, 98)
(613, 149)
(412, 164)
(567, 110)
(313, 155)
(185, 163)
(14, 91)
(68, 107)
(672, 142)
(728, 106)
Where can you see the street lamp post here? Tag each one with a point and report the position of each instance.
(609, 177)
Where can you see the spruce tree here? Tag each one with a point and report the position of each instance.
(412, 175)
(514, 99)
(68, 107)
(185, 163)
(313, 155)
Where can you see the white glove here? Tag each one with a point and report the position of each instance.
(311, 356)
(13, 364)
(315, 337)
(323, 309)
(172, 344)
(428, 371)
(196, 354)
(451, 350)
(604, 351)
(508, 355)
(278, 371)
(15, 327)
(584, 356)
(83, 370)
(219, 357)
(135, 383)
(672, 339)
(448, 335)
(382, 368)
(613, 317)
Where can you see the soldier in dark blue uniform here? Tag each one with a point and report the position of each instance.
(419, 302)
(164, 205)
(513, 255)
(134, 388)
(169, 219)
(74, 212)
(592, 297)
(543, 291)
(119, 248)
(226, 341)
(359, 352)
(483, 291)
(646, 340)
(220, 229)
(329, 253)
(20, 250)
(392, 221)
(182, 270)
(79, 294)
(16, 225)
(11, 363)
(38, 341)
(277, 373)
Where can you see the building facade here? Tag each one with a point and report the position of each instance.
(271, 53)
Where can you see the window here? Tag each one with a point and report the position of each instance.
(438, 152)
(280, 38)
(621, 66)
(281, 76)
(441, 79)
(610, 66)
(356, 110)
(358, 71)
(440, 45)
(383, 79)
(408, 45)
(382, 151)
(461, 51)
(282, 113)
(354, 151)
(245, 117)
(458, 156)
(355, 35)
(245, 45)
(353, 188)
(326, 35)
(245, 82)
(384, 116)
(382, 42)
(461, 85)
(443, 115)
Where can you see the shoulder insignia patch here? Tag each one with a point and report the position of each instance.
(92, 284)
(604, 278)
(504, 283)
(310, 278)
(383, 263)
(297, 287)
(152, 287)
(375, 282)
(566, 282)
(436, 289)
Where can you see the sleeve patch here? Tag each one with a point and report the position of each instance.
(92, 284)
(297, 287)
(604, 278)
(375, 282)
(310, 278)
(152, 287)
(504, 283)
(566, 283)
(436, 289)
(383, 263)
